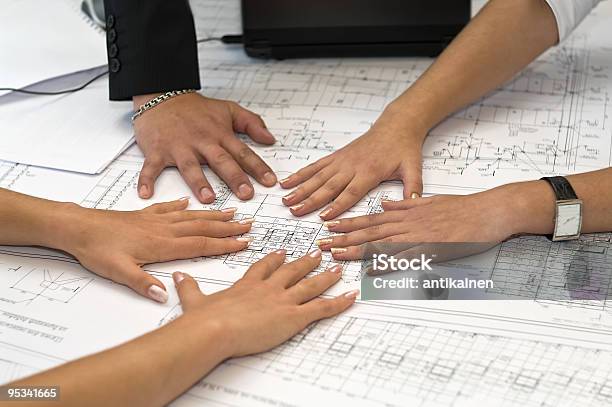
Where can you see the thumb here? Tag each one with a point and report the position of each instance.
(412, 176)
(251, 124)
(133, 276)
(188, 290)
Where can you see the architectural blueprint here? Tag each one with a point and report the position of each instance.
(543, 348)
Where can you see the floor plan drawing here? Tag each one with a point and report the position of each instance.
(549, 346)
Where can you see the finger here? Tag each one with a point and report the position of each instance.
(184, 216)
(305, 173)
(128, 273)
(412, 177)
(250, 161)
(351, 194)
(191, 171)
(211, 228)
(405, 204)
(310, 288)
(361, 222)
(321, 196)
(370, 234)
(188, 290)
(152, 167)
(266, 266)
(309, 186)
(224, 165)
(348, 253)
(251, 124)
(293, 272)
(168, 207)
(198, 246)
(326, 308)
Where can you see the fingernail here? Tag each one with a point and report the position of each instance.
(144, 191)
(331, 224)
(247, 221)
(207, 194)
(296, 207)
(281, 252)
(387, 201)
(245, 190)
(415, 195)
(326, 212)
(288, 197)
(323, 242)
(178, 277)
(270, 134)
(269, 178)
(284, 181)
(229, 210)
(337, 268)
(338, 250)
(185, 198)
(245, 239)
(158, 294)
(352, 294)
(315, 253)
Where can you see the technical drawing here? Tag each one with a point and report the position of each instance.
(60, 286)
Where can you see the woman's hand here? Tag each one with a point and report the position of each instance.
(190, 130)
(391, 150)
(486, 217)
(269, 305)
(116, 244)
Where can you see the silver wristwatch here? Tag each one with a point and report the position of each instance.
(568, 210)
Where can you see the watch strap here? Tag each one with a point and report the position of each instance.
(563, 189)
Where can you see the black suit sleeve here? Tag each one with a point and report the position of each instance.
(152, 47)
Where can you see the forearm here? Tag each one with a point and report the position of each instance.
(149, 371)
(500, 41)
(533, 203)
(29, 221)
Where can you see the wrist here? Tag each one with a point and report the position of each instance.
(64, 227)
(212, 337)
(140, 100)
(530, 207)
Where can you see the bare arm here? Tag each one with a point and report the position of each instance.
(269, 305)
(500, 41)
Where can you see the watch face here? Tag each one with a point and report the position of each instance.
(568, 219)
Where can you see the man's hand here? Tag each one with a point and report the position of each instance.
(190, 130)
(391, 150)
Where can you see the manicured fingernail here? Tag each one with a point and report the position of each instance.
(315, 253)
(158, 294)
(178, 277)
(337, 268)
(185, 198)
(387, 201)
(323, 242)
(331, 224)
(287, 198)
(207, 194)
(326, 212)
(352, 294)
(338, 250)
(245, 239)
(281, 252)
(247, 221)
(269, 178)
(144, 191)
(245, 190)
(296, 207)
(229, 210)
(415, 195)
(284, 181)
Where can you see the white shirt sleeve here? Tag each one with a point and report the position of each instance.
(570, 13)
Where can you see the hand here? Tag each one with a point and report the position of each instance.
(487, 217)
(190, 130)
(269, 305)
(115, 244)
(389, 151)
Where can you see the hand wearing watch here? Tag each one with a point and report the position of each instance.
(568, 210)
